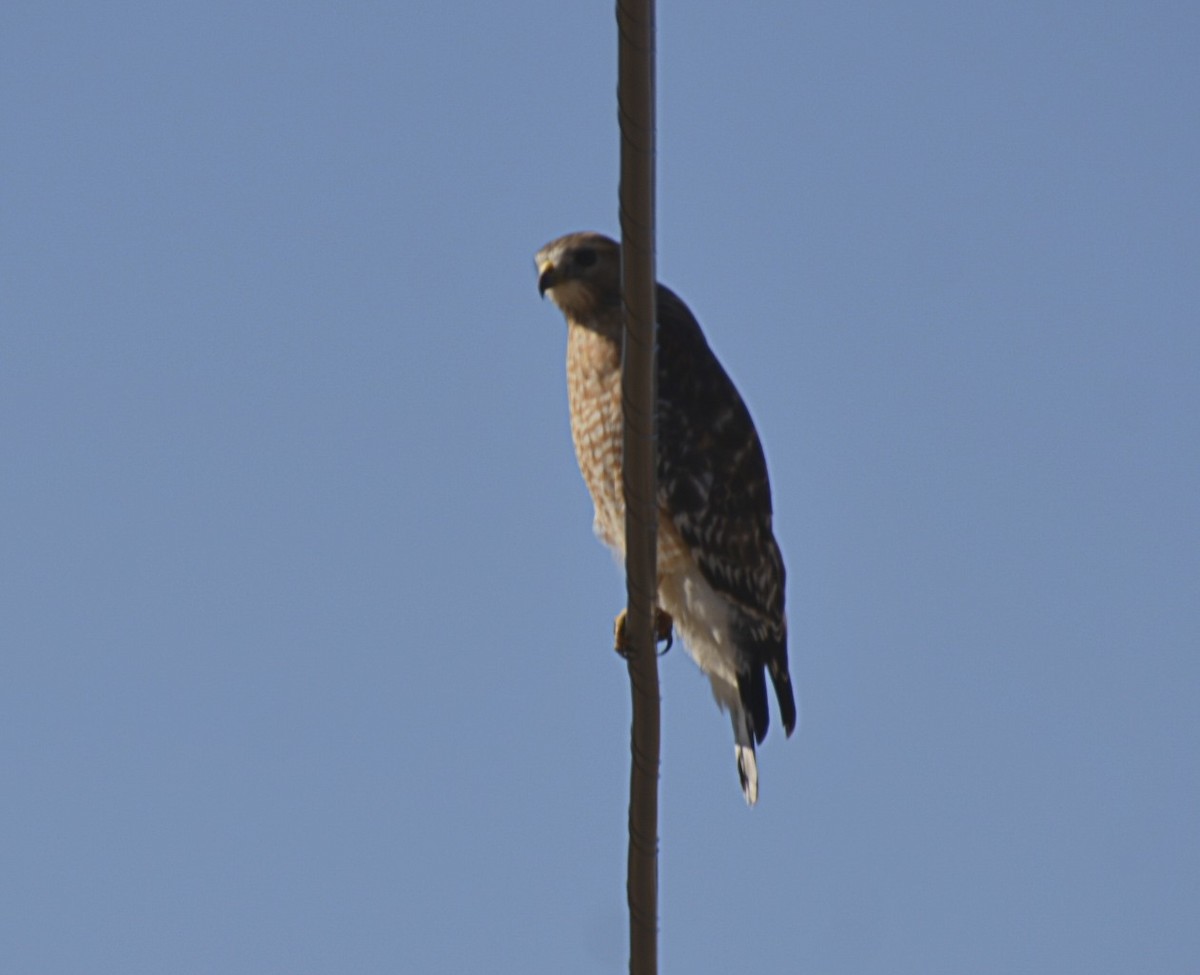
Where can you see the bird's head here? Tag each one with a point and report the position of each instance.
(582, 274)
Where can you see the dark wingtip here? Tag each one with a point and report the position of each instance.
(783, 693)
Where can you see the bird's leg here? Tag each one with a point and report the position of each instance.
(663, 630)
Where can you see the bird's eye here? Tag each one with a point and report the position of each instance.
(585, 257)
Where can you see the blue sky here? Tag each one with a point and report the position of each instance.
(306, 654)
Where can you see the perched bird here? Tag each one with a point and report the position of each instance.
(720, 573)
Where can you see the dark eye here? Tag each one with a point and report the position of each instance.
(585, 257)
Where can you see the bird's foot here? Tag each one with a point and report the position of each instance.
(663, 632)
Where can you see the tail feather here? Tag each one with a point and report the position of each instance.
(752, 689)
(743, 750)
(748, 772)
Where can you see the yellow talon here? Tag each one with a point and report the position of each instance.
(663, 630)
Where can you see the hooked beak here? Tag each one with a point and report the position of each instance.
(547, 278)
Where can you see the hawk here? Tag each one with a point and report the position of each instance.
(720, 572)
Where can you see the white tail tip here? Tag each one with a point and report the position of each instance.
(747, 772)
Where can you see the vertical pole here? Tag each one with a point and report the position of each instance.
(635, 99)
